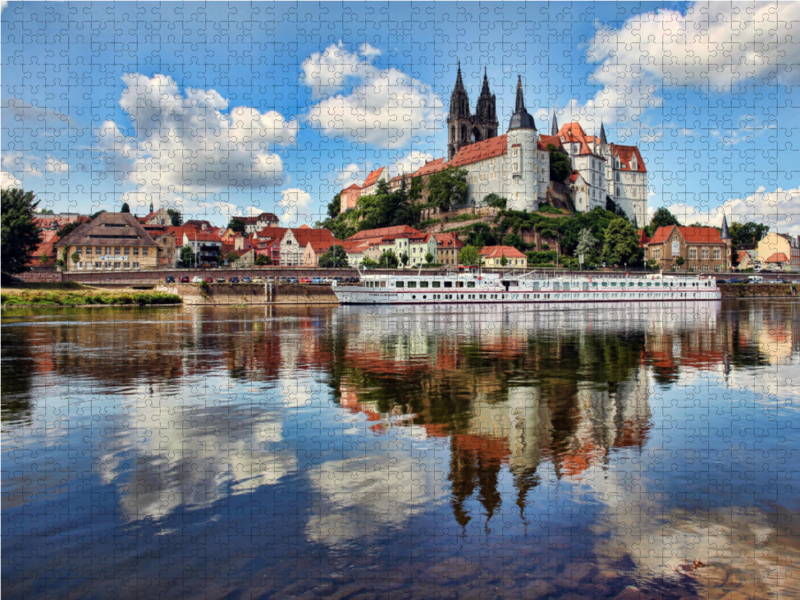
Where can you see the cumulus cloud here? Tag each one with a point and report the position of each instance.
(7, 180)
(22, 165)
(349, 175)
(780, 209)
(296, 205)
(411, 162)
(184, 144)
(384, 108)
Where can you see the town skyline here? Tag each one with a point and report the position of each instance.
(288, 126)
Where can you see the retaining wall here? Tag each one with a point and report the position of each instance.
(251, 294)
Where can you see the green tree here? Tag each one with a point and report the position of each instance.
(43, 258)
(495, 201)
(262, 261)
(404, 259)
(20, 234)
(587, 246)
(335, 206)
(448, 188)
(368, 262)
(560, 166)
(175, 217)
(388, 260)
(429, 258)
(232, 257)
(75, 258)
(67, 229)
(45, 211)
(748, 233)
(661, 218)
(187, 256)
(125, 208)
(680, 260)
(621, 244)
(235, 224)
(503, 260)
(515, 240)
(469, 256)
(335, 257)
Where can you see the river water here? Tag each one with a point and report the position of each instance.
(349, 452)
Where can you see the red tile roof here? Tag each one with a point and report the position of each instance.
(573, 133)
(778, 257)
(352, 187)
(692, 235)
(544, 140)
(742, 255)
(643, 239)
(204, 236)
(372, 178)
(377, 234)
(496, 146)
(626, 153)
(448, 239)
(432, 167)
(304, 235)
(500, 251)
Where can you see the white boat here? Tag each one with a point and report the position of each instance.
(468, 285)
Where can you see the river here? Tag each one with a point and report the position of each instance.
(363, 452)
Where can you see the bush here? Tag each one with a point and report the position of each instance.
(541, 258)
(549, 210)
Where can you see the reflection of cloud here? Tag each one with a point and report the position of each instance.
(189, 456)
(359, 497)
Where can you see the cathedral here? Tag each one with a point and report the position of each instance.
(516, 164)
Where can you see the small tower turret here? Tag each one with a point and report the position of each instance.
(725, 234)
(554, 126)
(521, 119)
(459, 122)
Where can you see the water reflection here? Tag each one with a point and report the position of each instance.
(616, 440)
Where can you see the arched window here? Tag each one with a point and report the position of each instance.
(476, 135)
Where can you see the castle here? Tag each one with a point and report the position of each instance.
(516, 164)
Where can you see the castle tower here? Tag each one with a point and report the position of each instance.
(525, 186)
(459, 123)
(521, 119)
(485, 122)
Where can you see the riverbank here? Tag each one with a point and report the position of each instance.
(761, 290)
(71, 294)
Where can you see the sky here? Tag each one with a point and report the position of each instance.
(223, 109)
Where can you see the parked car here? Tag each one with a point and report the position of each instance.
(305, 280)
(327, 280)
(735, 280)
(779, 280)
(246, 280)
(270, 278)
(197, 279)
(282, 279)
(185, 279)
(258, 279)
(317, 280)
(169, 279)
(220, 280)
(339, 279)
(293, 280)
(755, 279)
(234, 279)
(209, 280)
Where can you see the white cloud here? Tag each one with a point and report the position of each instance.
(410, 162)
(7, 180)
(714, 45)
(296, 205)
(184, 145)
(53, 165)
(349, 175)
(779, 209)
(368, 51)
(18, 164)
(384, 108)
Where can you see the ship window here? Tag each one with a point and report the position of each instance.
(613, 284)
(412, 284)
(594, 284)
(649, 284)
(459, 284)
(436, 284)
(471, 284)
(448, 284)
(398, 284)
(423, 284)
(383, 284)
(658, 284)
(640, 284)
(605, 283)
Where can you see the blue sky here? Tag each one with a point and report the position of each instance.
(229, 108)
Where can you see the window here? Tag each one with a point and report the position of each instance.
(515, 166)
(717, 253)
(692, 253)
(136, 251)
(448, 284)
(423, 284)
(435, 284)
(144, 251)
(399, 284)
(473, 179)
(704, 253)
(117, 251)
(79, 250)
(492, 175)
(470, 284)
(127, 250)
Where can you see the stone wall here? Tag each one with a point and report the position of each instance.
(251, 294)
(41, 277)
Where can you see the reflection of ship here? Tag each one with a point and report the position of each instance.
(469, 285)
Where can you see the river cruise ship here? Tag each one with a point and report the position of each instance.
(471, 286)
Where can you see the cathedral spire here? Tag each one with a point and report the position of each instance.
(554, 126)
(520, 106)
(725, 234)
(603, 140)
(459, 100)
(459, 83)
(521, 119)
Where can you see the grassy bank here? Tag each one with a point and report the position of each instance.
(84, 296)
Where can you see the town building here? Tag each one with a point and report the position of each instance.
(293, 242)
(703, 249)
(158, 217)
(420, 245)
(448, 247)
(259, 222)
(492, 256)
(745, 260)
(111, 242)
(779, 243)
(206, 246)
